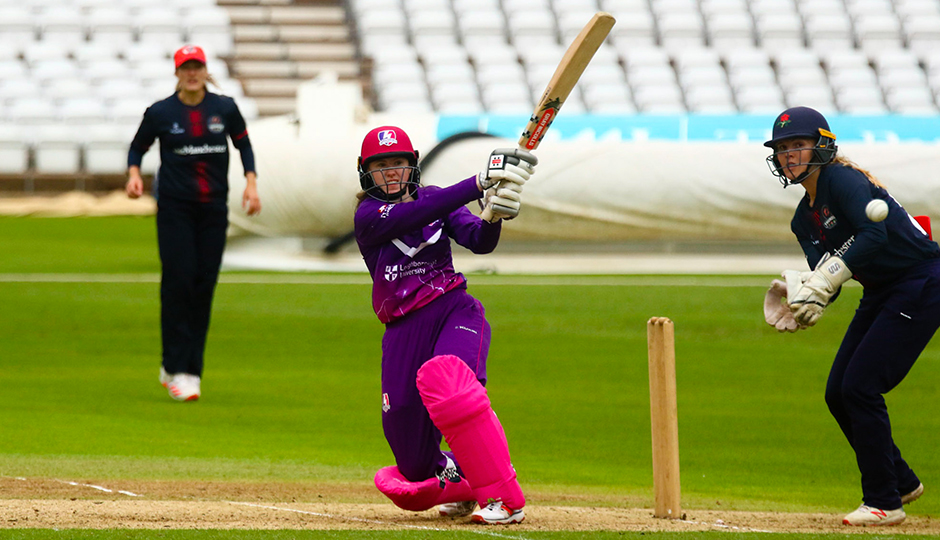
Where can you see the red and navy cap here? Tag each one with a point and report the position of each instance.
(187, 53)
(386, 141)
(799, 122)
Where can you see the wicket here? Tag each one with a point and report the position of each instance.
(664, 417)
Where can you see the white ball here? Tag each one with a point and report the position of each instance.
(876, 210)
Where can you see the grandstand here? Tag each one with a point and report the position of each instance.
(77, 74)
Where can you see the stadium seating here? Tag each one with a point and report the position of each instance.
(720, 56)
(76, 76)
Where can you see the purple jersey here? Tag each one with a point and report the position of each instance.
(406, 246)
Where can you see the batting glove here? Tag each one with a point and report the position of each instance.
(507, 165)
(811, 300)
(502, 202)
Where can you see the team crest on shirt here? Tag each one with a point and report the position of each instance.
(828, 220)
(215, 124)
(391, 272)
(387, 137)
(385, 404)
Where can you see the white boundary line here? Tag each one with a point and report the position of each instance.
(373, 521)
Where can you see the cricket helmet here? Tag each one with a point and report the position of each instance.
(387, 142)
(801, 123)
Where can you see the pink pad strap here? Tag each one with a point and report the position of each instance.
(459, 407)
(420, 496)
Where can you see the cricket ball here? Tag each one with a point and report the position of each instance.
(876, 210)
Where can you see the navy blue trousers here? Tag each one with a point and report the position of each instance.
(191, 236)
(892, 326)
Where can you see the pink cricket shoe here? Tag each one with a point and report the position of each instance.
(497, 513)
(867, 516)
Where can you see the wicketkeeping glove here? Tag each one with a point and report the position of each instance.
(777, 311)
(811, 300)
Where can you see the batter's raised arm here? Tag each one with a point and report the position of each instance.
(378, 222)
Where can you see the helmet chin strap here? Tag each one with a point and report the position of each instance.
(802, 177)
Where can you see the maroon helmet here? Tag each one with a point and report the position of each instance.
(387, 142)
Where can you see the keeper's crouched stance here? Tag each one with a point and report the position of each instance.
(436, 335)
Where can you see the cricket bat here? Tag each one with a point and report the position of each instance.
(569, 70)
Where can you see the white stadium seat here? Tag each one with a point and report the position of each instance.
(437, 21)
(681, 29)
(128, 110)
(68, 87)
(17, 26)
(710, 99)
(728, 30)
(62, 24)
(84, 111)
(878, 31)
(760, 99)
(106, 148)
(633, 29)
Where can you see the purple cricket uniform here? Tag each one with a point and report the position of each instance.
(899, 267)
(425, 306)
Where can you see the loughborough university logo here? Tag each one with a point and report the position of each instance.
(387, 137)
(391, 272)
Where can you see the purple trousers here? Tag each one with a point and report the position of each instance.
(452, 324)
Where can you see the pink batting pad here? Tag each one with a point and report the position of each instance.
(459, 407)
(420, 496)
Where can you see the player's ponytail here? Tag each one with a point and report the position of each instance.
(845, 162)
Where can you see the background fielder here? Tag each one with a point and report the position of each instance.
(191, 189)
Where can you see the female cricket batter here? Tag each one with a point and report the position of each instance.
(899, 267)
(192, 209)
(436, 338)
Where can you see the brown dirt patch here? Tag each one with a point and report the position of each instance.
(48, 503)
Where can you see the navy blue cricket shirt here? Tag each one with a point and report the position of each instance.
(876, 253)
(194, 153)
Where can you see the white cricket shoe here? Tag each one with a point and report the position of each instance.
(908, 498)
(165, 377)
(184, 387)
(457, 509)
(867, 516)
(497, 513)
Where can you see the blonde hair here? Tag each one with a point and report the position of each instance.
(842, 160)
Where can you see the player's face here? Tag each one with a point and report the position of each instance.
(390, 174)
(192, 76)
(794, 156)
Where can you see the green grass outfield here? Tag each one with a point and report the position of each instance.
(291, 388)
